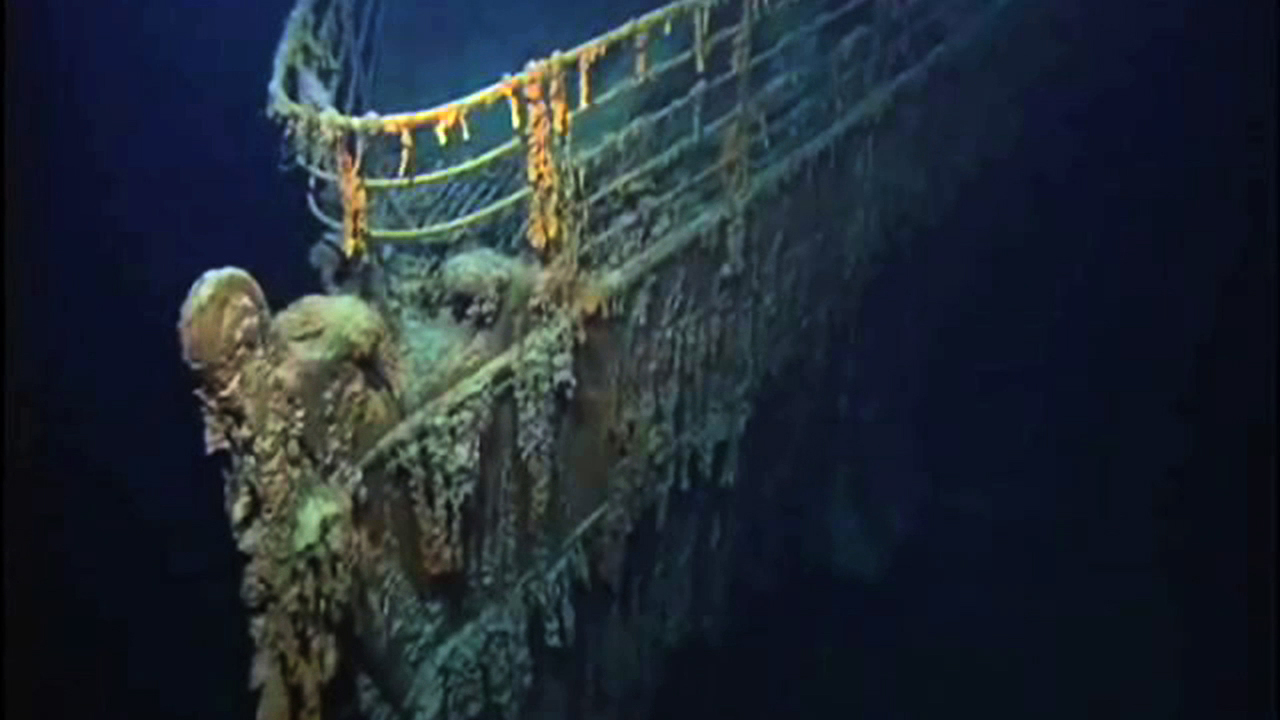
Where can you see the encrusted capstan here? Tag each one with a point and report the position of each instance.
(223, 331)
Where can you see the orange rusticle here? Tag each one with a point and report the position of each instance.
(559, 102)
(404, 128)
(406, 151)
(540, 167)
(508, 90)
(449, 118)
(355, 203)
(585, 59)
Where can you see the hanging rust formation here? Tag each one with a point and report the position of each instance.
(548, 119)
(355, 203)
(511, 428)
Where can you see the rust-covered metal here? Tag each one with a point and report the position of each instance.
(495, 472)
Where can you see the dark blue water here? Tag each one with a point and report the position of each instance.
(1084, 346)
(1095, 360)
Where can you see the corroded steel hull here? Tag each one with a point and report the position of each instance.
(497, 471)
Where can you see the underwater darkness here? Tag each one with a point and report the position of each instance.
(1084, 346)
